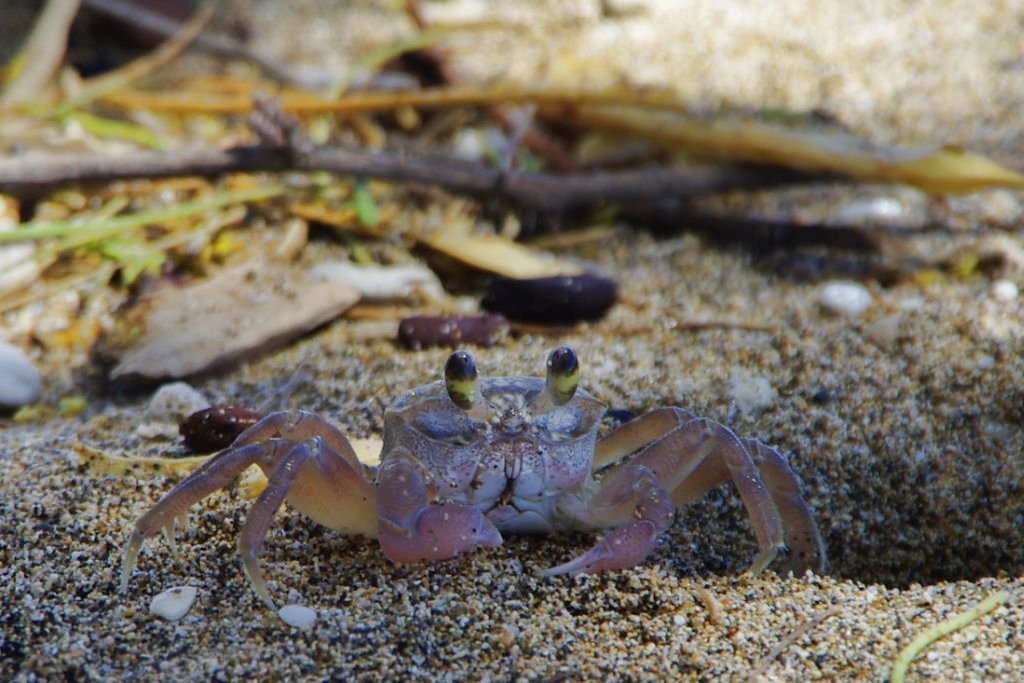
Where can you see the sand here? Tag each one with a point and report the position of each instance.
(905, 426)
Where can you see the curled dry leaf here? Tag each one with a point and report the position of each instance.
(239, 311)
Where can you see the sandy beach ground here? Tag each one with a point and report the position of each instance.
(904, 425)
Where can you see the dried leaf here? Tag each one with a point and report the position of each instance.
(496, 254)
(935, 169)
(251, 482)
(239, 311)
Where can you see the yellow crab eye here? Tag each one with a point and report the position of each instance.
(460, 379)
(563, 375)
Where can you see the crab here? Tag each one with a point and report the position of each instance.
(467, 459)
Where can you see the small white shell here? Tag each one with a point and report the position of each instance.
(19, 379)
(173, 603)
(298, 616)
(1005, 290)
(174, 402)
(843, 297)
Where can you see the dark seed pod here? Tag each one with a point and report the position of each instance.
(216, 427)
(423, 331)
(562, 299)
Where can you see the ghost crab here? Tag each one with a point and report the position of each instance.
(465, 460)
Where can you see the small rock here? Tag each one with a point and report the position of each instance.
(174, 402)
(173, 603)
(1005, 290)
(882, 211)
(506, 635)
(911, 303)
(19, 380)
(751, 393)
(170, 406)
(885, 331)
(298, 616)
(843, 297)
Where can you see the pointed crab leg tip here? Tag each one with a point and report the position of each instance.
(554, 571)
(489, 537)
(761, 562)
(574, 567)
(252, 569)
(131, 553)
(168, 534)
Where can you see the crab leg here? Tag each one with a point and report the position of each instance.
(630, 496)
(257, 522)
(807, 547)
(214, 474)
(412, 527)
(300, 425)
(308, 462)
(690, 456)
(318, 482)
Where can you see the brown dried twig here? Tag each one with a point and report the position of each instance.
(35, 174)
(795, 635)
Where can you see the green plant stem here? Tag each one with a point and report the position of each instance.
(94, 229)
(942, 629)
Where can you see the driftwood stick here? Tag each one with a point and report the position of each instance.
(35, 174)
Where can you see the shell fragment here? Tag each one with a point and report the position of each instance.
(173, 603)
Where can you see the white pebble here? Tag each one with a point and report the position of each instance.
(1005, 290)
(878, 211)
(751, 393)
(19, 379)
(381, 283)
(885, 331)
(173, 603)
(174, 402)
(843, 297)
(298, 616)
(911, 303)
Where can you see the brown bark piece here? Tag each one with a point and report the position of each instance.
(239, 311)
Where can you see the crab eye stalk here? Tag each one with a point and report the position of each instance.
(460, 379)
(563, 375)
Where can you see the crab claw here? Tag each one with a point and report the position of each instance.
(621, 548)
(440, 532)
(413, 528)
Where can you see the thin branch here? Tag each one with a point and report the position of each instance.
(791, 638)
(34, 174)
(43, 52)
